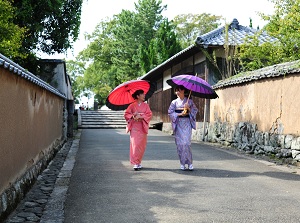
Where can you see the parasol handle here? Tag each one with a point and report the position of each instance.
(191, 91)
(189, 96)
(184, 110)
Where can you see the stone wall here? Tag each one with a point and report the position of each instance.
(246, 136)
(16, 191)
(258, 112)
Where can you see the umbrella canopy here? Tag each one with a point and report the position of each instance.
(197, 86)
(121, 97)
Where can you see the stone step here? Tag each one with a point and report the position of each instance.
(109, 116)
(103, 123)
(103, 119)
(102, 112)
(101, 127)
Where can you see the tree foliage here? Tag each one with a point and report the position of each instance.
(114, 56)
(29, 27)
(162, 47)
(52, 25)
(11, 35)
(190, 26)
(76, 71)
(130, 44)
(284, 25)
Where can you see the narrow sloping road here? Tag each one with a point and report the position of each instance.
(224, 187)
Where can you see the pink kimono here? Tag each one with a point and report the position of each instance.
(138, 130)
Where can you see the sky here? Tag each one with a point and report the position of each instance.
(93, 11)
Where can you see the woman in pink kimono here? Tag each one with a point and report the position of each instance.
(138, 116)
(182, 124)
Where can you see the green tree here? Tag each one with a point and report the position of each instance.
(132, 43)
(190, 26)
(164, 45)
(75, 70)
(125, 44)
(112, 57)
(100, 73)
(284, 25)
(51, 27)
(167, 42)
(139, 28)
(147, 20)
(11, 35)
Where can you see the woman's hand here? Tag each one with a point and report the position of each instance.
(184, 113)
(186, 106)
(134, 115)
(186, 109)
(137, 116)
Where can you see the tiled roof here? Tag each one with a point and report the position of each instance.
(20, 71)
(266, 72)
(236, 35)
(169, 60)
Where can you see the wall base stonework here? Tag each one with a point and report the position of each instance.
(246, 137)
(10, 198)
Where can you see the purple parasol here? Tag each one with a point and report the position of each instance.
(197, 86)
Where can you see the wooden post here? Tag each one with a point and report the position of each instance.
(205, 104)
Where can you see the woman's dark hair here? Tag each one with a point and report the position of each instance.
(136, 93)
(180, 87)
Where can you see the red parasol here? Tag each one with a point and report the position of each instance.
(121, 97)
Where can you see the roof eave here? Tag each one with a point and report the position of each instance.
(168, 63)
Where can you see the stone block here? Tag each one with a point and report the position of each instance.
(295, 145)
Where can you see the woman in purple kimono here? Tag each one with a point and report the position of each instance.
(182, 113)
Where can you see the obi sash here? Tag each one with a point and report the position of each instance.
(179, 111)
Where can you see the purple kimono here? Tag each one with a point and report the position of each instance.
(182, 128)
